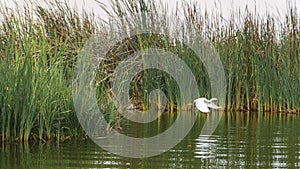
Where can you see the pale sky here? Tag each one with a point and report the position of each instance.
(277, 7)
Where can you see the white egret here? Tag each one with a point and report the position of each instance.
(203, 104)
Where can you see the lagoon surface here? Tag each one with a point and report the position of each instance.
(242, 140)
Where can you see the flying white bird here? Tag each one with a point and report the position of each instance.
(203, 104)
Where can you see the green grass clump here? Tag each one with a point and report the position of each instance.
(37, 57)
(260, 55)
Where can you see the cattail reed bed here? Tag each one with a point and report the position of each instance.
(39, 47)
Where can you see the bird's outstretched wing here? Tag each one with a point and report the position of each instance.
(210, 104)
(213, 106)
(201, 106)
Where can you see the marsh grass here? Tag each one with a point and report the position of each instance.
(37, 59)
(260, 56)
(38, 51)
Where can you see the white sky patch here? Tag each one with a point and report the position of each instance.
(276, 7)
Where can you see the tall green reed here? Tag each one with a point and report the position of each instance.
(37, 60)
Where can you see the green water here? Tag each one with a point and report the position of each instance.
(242, 140)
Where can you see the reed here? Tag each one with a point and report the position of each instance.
(38, 52)
(260, 56)
(37, 60)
